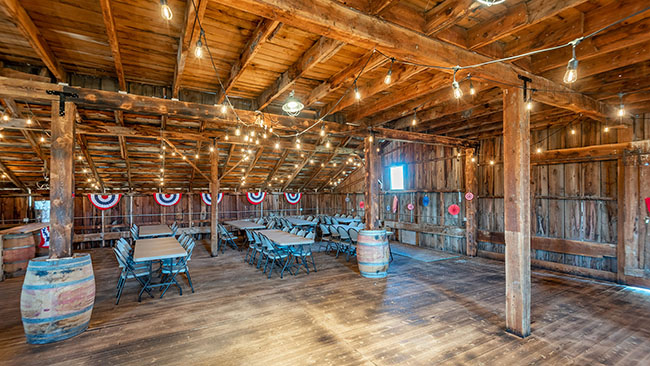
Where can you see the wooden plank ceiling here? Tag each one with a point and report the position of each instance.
(260, 56)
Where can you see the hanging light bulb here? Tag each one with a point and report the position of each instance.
(322, 131)
(473, 159)
(79, 157)
(84, 170)
(529, 105)
(212, 147)
(621, 108)
(277, 145)
(573, 131)
(606, 129)
(371, 138)
(196, 156)
(328, 144)
(42, 139)
(388, 77)
(357, 95)
(293, 106)
(571, 74)
(491, 162)
(198, 50)
(162, 170)
(539, 150)
(472, 91)
(5, 117)
(257, 141)
(246, 138)
(166, 11)
(237, 131)
(458, 93)
(490, 2)
(414, 121)
(224, 108)
(226, 138)
(29, 121)
(264, 135)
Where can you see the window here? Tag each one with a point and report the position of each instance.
(42, 211)
(397, 177)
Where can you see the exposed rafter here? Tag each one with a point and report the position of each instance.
(422, 138)
(369, 32)
(231, 150)
(446, 14)
(250, 168)
(345, 76)
(297, 170)
(263, 33)
(83, 146)
(189, 35)
(124, 151)
(323, 49)
(109, 23)
(187, 160)
(325, 163)
(19, 15)
(29, 135)
(14, 179)
(277, 166)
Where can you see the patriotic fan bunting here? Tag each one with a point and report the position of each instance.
(255, 198)
(104, 201)
(207, 198)
(45, 238)
(293, 198)
(166, 199)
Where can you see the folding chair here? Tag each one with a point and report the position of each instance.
(344, 241)
(134, 233)
(275, 254)
(174, 228)
(226, 237)
(352, 248)
(169, 272)
(293, 231)
(129, 271)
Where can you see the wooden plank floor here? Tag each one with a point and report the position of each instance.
(448, 312)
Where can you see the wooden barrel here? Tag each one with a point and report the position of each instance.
(57, 298)
(373, 253)
(40, 252)
(18, 249)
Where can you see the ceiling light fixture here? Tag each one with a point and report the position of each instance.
(165, 10)
(293, 106)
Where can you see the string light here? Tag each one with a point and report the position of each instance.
(246, 138)
(328, 144)
(29, 121)
(237, 131)
(539, 150)
(79, 157)
(606, 129)
(277, 145)
(196, 156)
(621, 109)
(5, 117)
(42, 138)
(226, 138)
(198, 51)
(491, 162)
(388, 77)
(472, 91)
(473, 159)
(458, 93)
(573, 131)
(414, 121)
(571, 74)
(490, 2)
(357, 95)
(166, 11)
(212, 147)
(322, 131)
(224, 108)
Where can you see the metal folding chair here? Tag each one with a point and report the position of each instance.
(129, 271)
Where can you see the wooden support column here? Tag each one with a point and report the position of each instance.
(471, 185)
(62, 181)
(372, 184)
(214, 192)
(516, 161)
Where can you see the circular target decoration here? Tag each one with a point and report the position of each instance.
(255, 198)
(45, 238)
(425, 201)
(293, 198)
(454, 210)
(410, 206)
(387, 208)
(207, 198)
(469, 196)
(167, 199)
(395, 202)
(361, 204)
(104, 201)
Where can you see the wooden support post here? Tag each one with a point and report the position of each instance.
(214, 192)
(62, 181)
(471, 185)
(620, 225)
(516, 161)
(372, 184)
(190, 209)
(103, 229)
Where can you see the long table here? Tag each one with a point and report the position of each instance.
(148, 250)
(300, 222)
(244, 224)
(282, 238)
(345, 220)
(150, 231)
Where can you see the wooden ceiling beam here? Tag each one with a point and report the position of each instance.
(421, 138)
(400, 74)
(377, 6)
(263, 33)
(13, 178)
(277, 166)
(370, 60)
(333, 177)
(369, 32)
(190, 33)
(187, 160)
(325, 163)
(124, 151)
(300, 166)
(322, 50)
(446, 14)
(258, 155)
(28, 134)
(198, 150)
(83, 146)
(407, 93)
(616, 39)
(28, 90)
(516, 18)
(17, 13)
(111, 33)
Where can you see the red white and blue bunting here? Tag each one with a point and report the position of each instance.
(255, 198)
(293, 198)
(207, 198)
(45, 238)
(104, 201)
(167, 199)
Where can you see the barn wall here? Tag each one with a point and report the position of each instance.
(574, 208)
